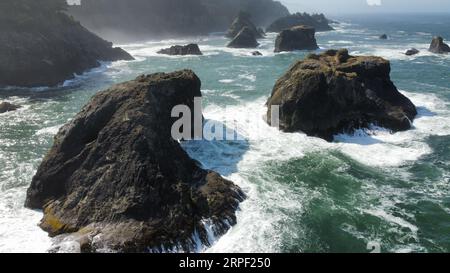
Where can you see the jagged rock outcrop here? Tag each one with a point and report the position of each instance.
(7, 107)
(256, 53)
(40, 45)
(412, 51)
(296, 38)
(190, 49)
(438, 46)
(140, 19)
(243, 20)
(116, 178)
(334, 92)
(244, 39)
(318, 21)
(383, 37)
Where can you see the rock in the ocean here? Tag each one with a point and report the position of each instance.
(318, 21)
(40, 45)
(412, 51)
(256, 53)
(116, 176)
(296, 38)
(7, 107)
(383, 37)
(438, 46)
(244, 39)
(334, 92)
(242, 21)
(190, 49)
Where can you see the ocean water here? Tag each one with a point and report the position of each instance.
(368, 189)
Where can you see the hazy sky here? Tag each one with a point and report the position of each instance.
(372, 6)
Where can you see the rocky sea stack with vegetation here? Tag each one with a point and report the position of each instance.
(335, 92)
(318, 21)
(117, 180)
(40, 45)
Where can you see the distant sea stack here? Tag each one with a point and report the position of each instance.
(244, 39)
(40, 45)
(334, 92)
(117, 179)
(438, 46)
(243, 20)
(190, 49)
(296, 38)
(318, 21)
(140, 19)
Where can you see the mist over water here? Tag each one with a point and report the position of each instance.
(304, 194)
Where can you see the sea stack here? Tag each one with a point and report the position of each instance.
(412, 51)
(40, 45)
(438, 46)
(190, 49)
(117, 179)
(244, 39)
(334, 92)
(242, 21)
(7, 107)
(296, 38)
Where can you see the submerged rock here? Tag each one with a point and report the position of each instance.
(296, 38)
(244, 39)
(318, 21)
(334, 92)
(40, 45)
(243, 21)
(438, 46)
(117, 177)
(412, 51)
(7, 107)
(256, 53)
(383, 37)
(190, 49)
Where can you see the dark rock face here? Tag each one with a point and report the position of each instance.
(334, 92)
(190, 49)
(438, 46)
(243, 21)
(296, 38)
(42, 46)
(115, 173)
(138, 19)
(244, 39)
(7, 107)
(412, 51)
(383, 37)
(318, 21)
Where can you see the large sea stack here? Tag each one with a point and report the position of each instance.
(40, 45)
(438, 46)
(296, 38)
(116, 178)
(334, 92)
(318, 21)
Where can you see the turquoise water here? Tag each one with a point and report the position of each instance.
(371, 188)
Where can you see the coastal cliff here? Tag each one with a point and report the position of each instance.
(143, 19)
(40, 45)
